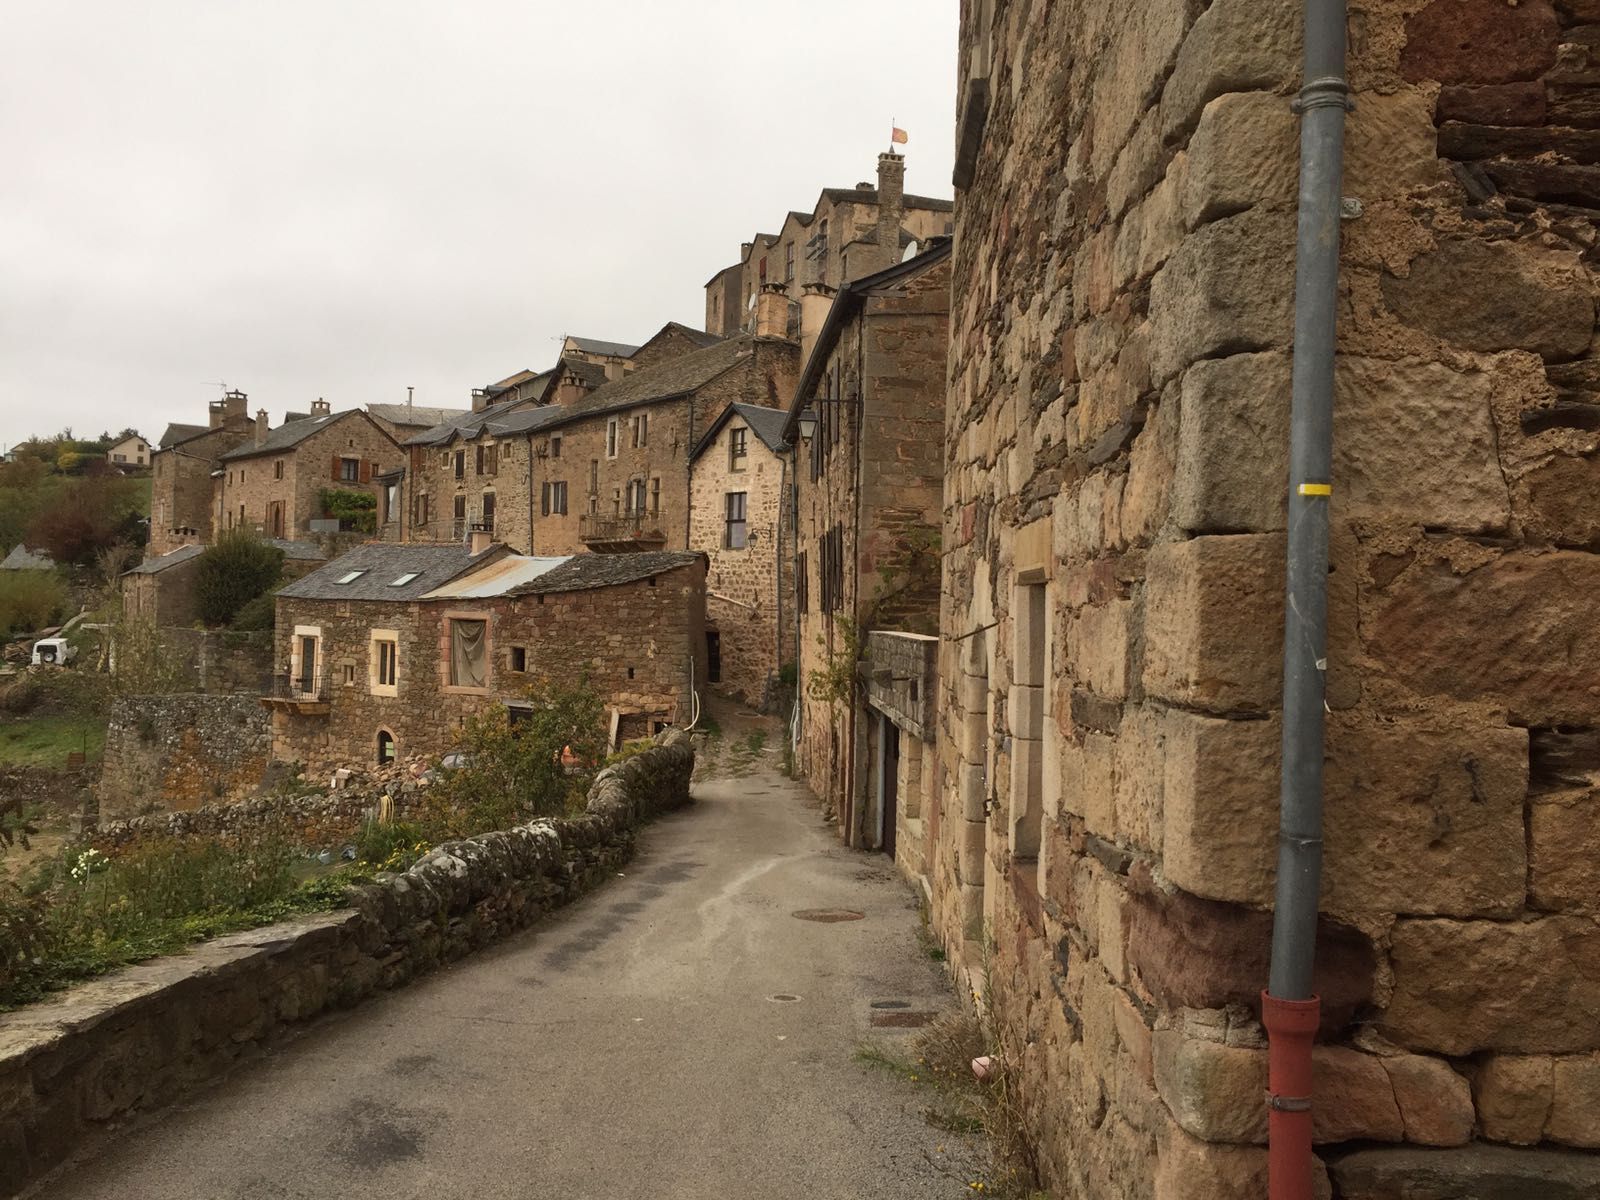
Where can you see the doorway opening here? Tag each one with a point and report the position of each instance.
(385, 748)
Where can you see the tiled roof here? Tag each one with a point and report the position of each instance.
(23, 559)
(154, 566)
(582, 572)
(465, 425)
(414, 414)
(380, 564)
(768, 424)
(176, 433)
(596, 346)
(675, 377)
(287, 436)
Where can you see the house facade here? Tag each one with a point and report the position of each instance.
(867, 422)
(274, 482)
(741, 519)
(160, 591)
(131, 453)
(183, 506)
(390, 649)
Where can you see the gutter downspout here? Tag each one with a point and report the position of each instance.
(1290, 1010)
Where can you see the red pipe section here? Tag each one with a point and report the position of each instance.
(1291, 1028)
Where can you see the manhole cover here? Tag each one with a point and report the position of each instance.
(783, 998)
(901, 1020)
(828, 915)
(891, 1004)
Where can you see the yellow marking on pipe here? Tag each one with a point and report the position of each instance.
(1316, 489)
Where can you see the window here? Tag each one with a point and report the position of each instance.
(558, 497)
(277, 469)
(738, 448)
(351, 576)
(461, 464)
(544, 499)
(738, 532)
(1027, 709)
(488, 511)
(788, 263)
(423, 513)
(385, 659)
(611, 438)
(641, 431)
(350, 470)
(467, 667)
(385, 748)
(460, 513)
(655, 497)
(349, 674)
(477, 454)
(594, 477)
(555, 445)
(519, 658)
(636, 496)
(801, 584)
(403, 579)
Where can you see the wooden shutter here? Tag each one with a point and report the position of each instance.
(366, 471)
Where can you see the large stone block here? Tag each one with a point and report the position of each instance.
(1435, 1101)
(1529, 987)
(1480, 41)
(1234, 46)
(1514, 1093)
(1561, 501)
(1098, 648)
(1245, 152)
(1497, 296)
(1228, 289)
(1563, 855)
(1233, 459)
(1420, 817)
(1190, 1169)
(1212, 611)
(1392, 147)
(1466, 1173)
(1515, 631)
(1575, 1111)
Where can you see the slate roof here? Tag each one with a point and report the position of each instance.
(582, 572)
(380, 564)
(870, 196)
(464, 425)
(767, 423)
(699, 337)
(299, 551)
(288, 435)
(596, 346)
(675, 377)
(591, 373)
(23, 559)
(176, 433)
(525, 420)
(413, 414)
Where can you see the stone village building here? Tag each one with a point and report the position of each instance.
(1102, 817)
(274, 481)
(160, 590)
(848, 233)
(388, 650)
(740, 517)
(870, 480)
(182, 507)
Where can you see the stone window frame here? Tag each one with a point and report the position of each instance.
(513, 655)
(738, 447)
(277, 468)
(374, 686)
(555, 445)
(488, 508)
(466, 614)
(730, 522)
(349, 469)
(611, 437)
(301, 632)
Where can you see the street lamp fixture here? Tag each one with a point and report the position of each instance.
(808, 416)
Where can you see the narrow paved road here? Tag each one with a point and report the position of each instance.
(629, 1048)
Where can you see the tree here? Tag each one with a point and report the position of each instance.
(233, 571)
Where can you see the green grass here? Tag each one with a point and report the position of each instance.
(46, 741)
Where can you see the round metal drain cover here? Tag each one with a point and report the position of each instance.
(828, 916)
(783, 998)
(891, 1004)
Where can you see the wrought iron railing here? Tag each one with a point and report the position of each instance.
(622, 527)
(296, 685)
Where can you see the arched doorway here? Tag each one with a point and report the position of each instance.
(385, 748)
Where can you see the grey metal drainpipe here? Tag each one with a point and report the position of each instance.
(1290, 1010)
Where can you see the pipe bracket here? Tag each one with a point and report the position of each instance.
(1288, 1103)
(1327, 92)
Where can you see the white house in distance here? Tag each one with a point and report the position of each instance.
(131, 451)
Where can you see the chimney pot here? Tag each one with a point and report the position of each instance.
(319, 407)
(479, 540)
(772, 311)
(261, 426)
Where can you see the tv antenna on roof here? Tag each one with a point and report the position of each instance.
(216, 383)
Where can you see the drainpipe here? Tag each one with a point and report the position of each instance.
(1290, 1010)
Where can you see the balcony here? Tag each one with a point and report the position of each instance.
(622, 531)
(299, 692)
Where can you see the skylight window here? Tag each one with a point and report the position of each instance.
(404, 579)
(351, 577)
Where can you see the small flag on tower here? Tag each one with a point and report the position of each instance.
(898, 136)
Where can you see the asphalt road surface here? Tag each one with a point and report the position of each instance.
(678, 1033)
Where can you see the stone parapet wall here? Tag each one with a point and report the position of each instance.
(1117, 436)
(146, 1036)
(181, 751)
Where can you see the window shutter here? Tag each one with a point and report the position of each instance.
(335, 470)
(366, 471)
(544, 500)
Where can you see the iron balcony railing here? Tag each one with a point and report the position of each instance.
(622, 527)
(296, 685)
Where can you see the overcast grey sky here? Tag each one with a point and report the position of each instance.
(345, 197)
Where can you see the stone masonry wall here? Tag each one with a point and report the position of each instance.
(181, 751)
(745, 599)
(1116, 436)
(297, 477)
(75, 1067)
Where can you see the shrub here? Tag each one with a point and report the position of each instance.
(538, 767)
(393, 846)
(258, 614)
(354, 510)
(30, 600)
(232, 571)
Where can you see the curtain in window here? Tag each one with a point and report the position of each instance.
(466, 653)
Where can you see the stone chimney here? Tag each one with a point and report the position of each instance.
(815, 301)
(772, 311)
(319, 407)
(261, 426)
(891, 205)
(479, 540)
(480, 399)
(230, 410)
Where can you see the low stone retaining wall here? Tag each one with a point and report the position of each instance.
(144, 1036)
(181, 751)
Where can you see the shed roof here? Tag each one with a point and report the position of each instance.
(582, 572)
(498, 578)
(23, 559)
(377, 566)
(298, 551)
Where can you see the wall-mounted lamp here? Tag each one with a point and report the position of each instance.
(808, 423)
